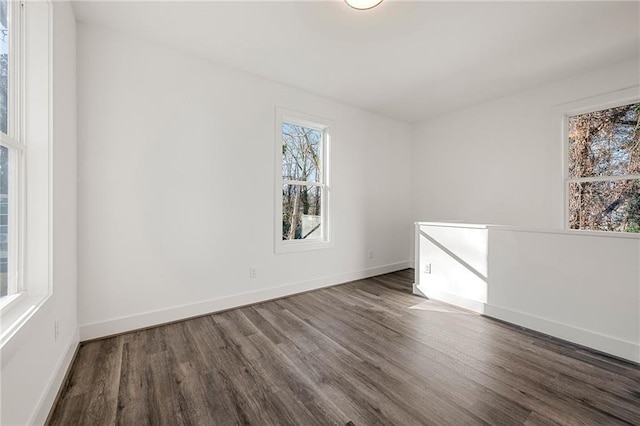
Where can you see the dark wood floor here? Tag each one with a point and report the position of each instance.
(368, 352)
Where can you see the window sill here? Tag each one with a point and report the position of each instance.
(283, 247)
(7, 302)
(16, 312)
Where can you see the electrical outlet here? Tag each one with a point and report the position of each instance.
(370, 254)
(252, 272)
(427, 268)
(56, 330)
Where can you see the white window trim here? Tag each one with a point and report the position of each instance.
(313, 122)
(37, 171)
(561, 121)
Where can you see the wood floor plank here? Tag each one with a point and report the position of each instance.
(93, 383)
(367, 352)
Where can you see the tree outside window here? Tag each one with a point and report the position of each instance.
(302, 182)
(604, 169)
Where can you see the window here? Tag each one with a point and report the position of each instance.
(603, 169)
(26, 138)
(302, 183)
(11, 148)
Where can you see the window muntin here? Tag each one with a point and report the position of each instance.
(302, 187)
(603, 185)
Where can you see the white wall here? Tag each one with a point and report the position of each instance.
(33, 362)
(452, 265)
(176, 187)
(580, 286)
(499, 162)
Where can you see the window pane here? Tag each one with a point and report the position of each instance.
(605, 206)
(605, 143)
(4, 66)
(301, 212)
(301, 153)
(4, 220)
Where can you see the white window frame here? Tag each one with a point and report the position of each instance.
(312, 122)
(14, 141)
(36, 214)
(563, 113)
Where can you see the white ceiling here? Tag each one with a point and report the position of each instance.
(405, 60)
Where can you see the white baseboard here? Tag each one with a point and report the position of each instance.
(417, 291)
(452, 299)
(590, 339)
(176, 313)
(48, 398)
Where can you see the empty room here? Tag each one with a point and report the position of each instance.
(319, 212)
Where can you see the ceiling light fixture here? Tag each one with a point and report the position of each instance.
(363, 4)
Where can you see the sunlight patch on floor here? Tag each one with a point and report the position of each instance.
(429, 305)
